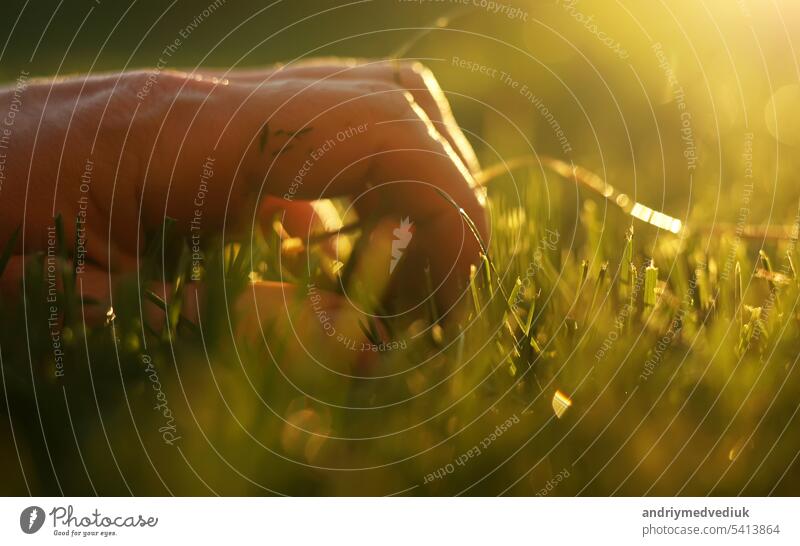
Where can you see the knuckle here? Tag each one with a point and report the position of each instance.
(411, 67)
(379, 87)
(422, 70)
(143, 84)
(390, 100)
(418, 75)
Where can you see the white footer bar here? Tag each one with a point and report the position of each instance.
(401, 521)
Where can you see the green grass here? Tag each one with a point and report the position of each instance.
(674, 357)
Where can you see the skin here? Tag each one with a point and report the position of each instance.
(147, 136)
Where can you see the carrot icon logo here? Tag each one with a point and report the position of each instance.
(31, 519)
(402, 237)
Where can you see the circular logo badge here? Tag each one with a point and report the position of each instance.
(31, 519)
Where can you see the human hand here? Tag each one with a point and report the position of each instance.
(217, 150)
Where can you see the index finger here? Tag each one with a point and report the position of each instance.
(305, 139)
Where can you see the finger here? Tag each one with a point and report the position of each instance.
(93, 289)
(341, 138)
(73, 133)
(302, 219)
(313, 336)
(93, 279)
(410, 75)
